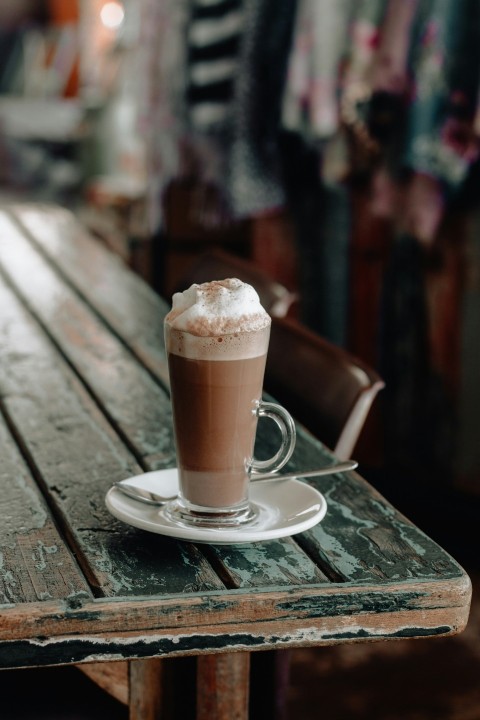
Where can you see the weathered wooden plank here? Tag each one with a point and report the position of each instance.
(35, 563)
(363, 538)
(194, 640)
(78, 456)
(309, 605)
(372, 539)
(142, 408)
(138, 406)
(268, 563)
(128, 304)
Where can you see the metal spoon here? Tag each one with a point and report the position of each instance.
(326, 470)
(153, 498)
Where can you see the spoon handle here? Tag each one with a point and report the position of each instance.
(138, 493)
(327, 470)
(152, 498)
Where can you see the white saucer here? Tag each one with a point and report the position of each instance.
(284, 508)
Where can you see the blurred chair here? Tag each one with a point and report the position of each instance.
(217, 264)
(325, 388)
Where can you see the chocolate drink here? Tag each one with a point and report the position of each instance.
(215, 426)
(216, 337)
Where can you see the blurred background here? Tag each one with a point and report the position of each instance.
(332, 143)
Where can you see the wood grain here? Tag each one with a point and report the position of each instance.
(232, 637)
(222, 686)
(132, 309)
(35, 563)
(141, 411)
(338, 605)
(145, 689)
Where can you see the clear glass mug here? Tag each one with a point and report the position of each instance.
(216, 388)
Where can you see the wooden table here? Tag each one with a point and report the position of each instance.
(84, 402)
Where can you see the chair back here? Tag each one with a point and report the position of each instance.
(324, 387)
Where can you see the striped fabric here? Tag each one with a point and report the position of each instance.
(214, 35)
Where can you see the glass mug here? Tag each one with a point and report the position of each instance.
(216, 387)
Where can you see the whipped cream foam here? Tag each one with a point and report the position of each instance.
(222, 319)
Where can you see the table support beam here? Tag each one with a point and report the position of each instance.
(223, 686)
(146, 689)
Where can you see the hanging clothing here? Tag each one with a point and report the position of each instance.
(420, 113)
(217, 74)
(254, 182)
(310, 99)
(214, 36)
(356, 87)
(162, 90)
(445, 65)
(213, 42)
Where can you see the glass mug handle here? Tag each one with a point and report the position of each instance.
(284, 422)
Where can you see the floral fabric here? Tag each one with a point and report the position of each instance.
(440, 141)
(403, 68)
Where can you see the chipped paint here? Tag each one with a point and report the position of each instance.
(336, 604)
(39, 555)
(345, 562)
(44, 651)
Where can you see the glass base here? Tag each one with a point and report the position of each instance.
(177, 511)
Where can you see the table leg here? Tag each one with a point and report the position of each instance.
(145, 689)
(223, 686)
